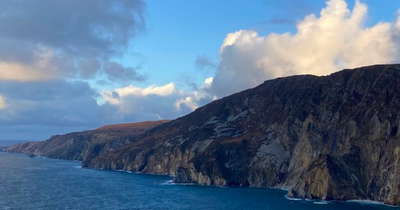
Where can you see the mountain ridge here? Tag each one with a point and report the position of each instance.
(75, 145)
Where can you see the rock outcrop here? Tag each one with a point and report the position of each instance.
(81, 145)
(332, 137)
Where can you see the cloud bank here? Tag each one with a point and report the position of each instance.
(50, 103)
(53, 39)
(50, 49)
(334, 40)
(157, 102)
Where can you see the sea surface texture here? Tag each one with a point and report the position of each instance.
(42, 183)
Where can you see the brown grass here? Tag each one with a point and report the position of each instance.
(126, 126)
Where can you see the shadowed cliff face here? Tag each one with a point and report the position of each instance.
(81, 145)
(333, 137)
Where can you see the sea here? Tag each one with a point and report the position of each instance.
(43, 183)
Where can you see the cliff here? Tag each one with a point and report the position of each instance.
(80, 145)
(332, 137)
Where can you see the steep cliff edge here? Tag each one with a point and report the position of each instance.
(80, 145)
(332, 137)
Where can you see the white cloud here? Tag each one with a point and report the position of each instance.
(188, 101)
(196, 98)
(117, 96)
(335, 40)
(207, 83)
(154, 102)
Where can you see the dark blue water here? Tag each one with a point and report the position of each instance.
(41, 183)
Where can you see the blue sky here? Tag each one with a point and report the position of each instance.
(178, 31)
(71, 66)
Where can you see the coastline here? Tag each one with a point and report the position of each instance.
(284, 190)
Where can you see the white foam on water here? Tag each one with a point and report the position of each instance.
(169, 182)
(321, 202)
(293, 199)
(370, 202)
(365, 202)
(77, 166)
(317, 202)
(126, 171)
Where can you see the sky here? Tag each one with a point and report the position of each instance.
(76, 65)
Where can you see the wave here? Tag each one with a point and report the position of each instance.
(293, 199)
(317, 202)
(126, 171)
(365, 202)
(321, 202)
(370, 202)
(171, 182)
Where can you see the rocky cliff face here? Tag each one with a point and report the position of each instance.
(333, 137)
(83, 145)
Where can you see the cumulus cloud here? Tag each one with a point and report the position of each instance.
(196, 98)
(52, 39)
(157, 102)
(336, 39)
(154, 102)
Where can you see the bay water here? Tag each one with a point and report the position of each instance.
(42, 183)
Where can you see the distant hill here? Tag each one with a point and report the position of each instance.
(75, 146)
(132, 128)
(5, 143)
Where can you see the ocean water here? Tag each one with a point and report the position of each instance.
(41, 183)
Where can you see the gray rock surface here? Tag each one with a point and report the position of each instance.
(332, 137)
